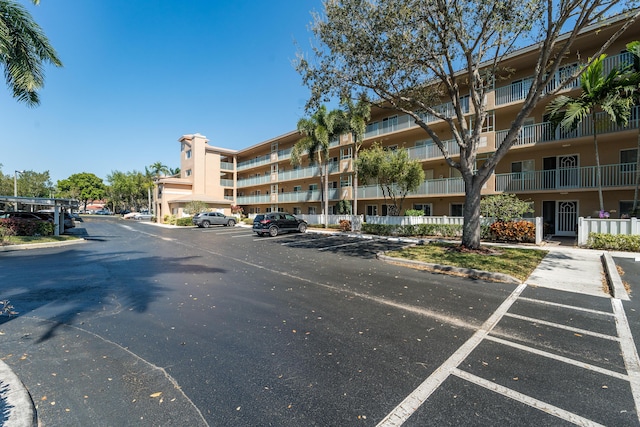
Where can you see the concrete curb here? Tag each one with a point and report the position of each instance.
(19, 408)
(613, 277)
(27, 246)
(447, 269)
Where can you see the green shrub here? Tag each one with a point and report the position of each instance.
(620, 242)
(439, 230)
(248, 221)
(513, 231)
(184, 222)
(18, 227)
(414, 212)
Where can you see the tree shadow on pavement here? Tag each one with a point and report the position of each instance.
(60, 287)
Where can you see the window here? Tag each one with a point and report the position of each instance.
(523, 169)
(313, 187)
(628, 159)
(345, 153)
(390, 124)
(187, 154)
(372, 210)
(188, 172)
(392, 148)
(267, 210)
(457, 209)
(424, 207)
(345, 180)
(297, 188)
(297, 211)
(333, 184)
(311, 210)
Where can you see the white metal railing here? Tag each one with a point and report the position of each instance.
(226, 182)
(546, 132)
(431, 150)
(616, 175)
(414, 220)
(629, 226)
(226, 166)
(428, 187)
(251, 163)
(307, 196)
(256, 180)
(247, 200)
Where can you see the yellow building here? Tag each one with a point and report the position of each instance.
(554, 169)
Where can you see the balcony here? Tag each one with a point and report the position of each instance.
(226, 183)
(256, 180)
(255, 199)
(546, 132)
(517, 91)
(226, 166)
(307, 196)
(258, 161)
(431, 150)
(430, 187)
(616, 175)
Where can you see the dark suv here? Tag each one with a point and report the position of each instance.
(278, 222)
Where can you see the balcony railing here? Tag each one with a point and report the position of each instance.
(226, 183)
(546, 132)
(517, 91)
(430, 187)
(617, 175)
(307, 196)
(255, 199)
(226, 166)
(431, 150)
(256, 180)
(252, 163)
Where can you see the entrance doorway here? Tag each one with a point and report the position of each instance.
(560, 217)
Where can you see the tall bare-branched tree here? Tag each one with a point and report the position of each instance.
(411, 55)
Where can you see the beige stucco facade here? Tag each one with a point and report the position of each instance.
(554, 170)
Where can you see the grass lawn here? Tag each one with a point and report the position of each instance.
(518, 263)
(21, 240)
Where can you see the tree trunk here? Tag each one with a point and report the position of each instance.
(326, 195)
(598, 175)
(634, 210)
(354, 211)
(471, 226)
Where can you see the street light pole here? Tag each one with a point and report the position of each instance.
(15, 187)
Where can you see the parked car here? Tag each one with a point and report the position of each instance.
(205, 219)
(69, 222)
(142, 216)
(103, 212)
(278, 222)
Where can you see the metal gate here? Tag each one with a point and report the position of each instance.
(567, 218)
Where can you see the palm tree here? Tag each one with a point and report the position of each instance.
(24, 49)
(634, 73)
(357, 116)
(609, 93)
(157, 169)
(319, 130)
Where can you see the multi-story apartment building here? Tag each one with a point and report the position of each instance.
(552, 168)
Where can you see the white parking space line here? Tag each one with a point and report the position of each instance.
(559, 326)
(413, 401)
(306, 241)
(223, 231)
(527, 400)
(560, 358)
(570, 307)
(629, 350)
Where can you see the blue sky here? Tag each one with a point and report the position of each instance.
(138, 74)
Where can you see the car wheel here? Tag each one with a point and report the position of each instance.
(302, 228)
(273, 231)
(205, 224)
(231, 223)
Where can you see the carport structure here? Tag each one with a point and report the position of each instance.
(38, 203)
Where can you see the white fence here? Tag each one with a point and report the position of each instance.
(606, 226)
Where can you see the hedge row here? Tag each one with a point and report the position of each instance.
(510, 231)
(20, 227)
(620, 242)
